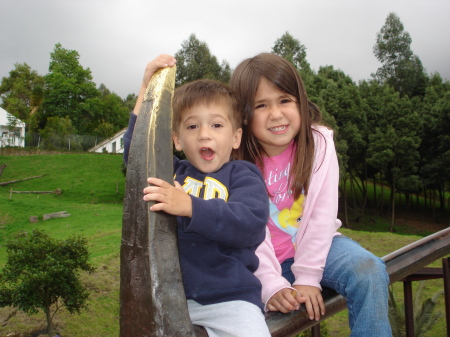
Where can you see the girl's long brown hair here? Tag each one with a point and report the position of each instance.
(280, 72)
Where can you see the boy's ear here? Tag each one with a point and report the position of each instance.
(176, 141)
(237, 138)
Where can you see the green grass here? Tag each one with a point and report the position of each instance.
(93, 189)
(92, 193)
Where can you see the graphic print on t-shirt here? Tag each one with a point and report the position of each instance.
(288, 219)
(285, 212)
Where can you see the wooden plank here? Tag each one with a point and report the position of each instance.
(15, 181)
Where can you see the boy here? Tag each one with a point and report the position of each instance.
(221, 207)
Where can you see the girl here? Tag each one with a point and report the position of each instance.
(302, 250)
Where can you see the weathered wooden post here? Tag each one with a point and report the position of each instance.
(152, 299)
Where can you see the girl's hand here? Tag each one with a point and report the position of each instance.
(313, 301)
(285, 300)
(161, 61)
(170, 199)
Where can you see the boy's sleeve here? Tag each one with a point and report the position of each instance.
(128, 136)
(240, 221)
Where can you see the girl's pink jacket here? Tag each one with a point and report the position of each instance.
(318, 226)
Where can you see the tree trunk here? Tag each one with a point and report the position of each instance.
(344, 189)
(49, 322)
(2, 167)
(62, 214)
(433, 203)
(382, 197)
(393, 205)
(14, 181)
(374, 191)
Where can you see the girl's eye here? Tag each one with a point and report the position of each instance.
(286, 100)
(217, 125)
(191, 127)
(259, 106)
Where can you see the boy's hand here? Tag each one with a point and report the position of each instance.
(313, 301)
(161, 61)
(171, 199)
(285, 300)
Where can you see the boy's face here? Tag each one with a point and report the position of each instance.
(206, 136)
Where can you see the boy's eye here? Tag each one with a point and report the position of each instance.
(217, 125)
(193, 126)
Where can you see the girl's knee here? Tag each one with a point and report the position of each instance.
(371, 269)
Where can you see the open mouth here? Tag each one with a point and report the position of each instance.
(207, 153)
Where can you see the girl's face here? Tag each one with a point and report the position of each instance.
(276, 118)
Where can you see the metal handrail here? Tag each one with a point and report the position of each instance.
(399, 264)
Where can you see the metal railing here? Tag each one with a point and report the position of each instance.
(399, 264)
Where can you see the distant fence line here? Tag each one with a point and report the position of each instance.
(62, 142)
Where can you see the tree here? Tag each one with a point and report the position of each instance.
(435, 152)
(339, 97)
(42, 273)
(56, 133)
(130, 101)
(67, 86)
(393, 149)
(22, 92)
(401, 68)
(293, 51)
(194, 61)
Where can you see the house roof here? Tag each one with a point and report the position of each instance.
(4, 118)
(106, 141)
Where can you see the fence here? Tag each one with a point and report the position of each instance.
(62, 142)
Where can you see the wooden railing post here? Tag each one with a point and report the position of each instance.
(152, 299)
(446, 272)
(409, 313)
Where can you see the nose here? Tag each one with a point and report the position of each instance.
(275, 113)
(204, 133)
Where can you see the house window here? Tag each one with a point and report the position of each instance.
(113, 147)
(121, 142)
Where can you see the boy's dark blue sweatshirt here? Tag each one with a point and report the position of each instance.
(217, 245)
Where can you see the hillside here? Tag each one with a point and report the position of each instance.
(92, 192)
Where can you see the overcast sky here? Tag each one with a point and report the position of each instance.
(116, 38)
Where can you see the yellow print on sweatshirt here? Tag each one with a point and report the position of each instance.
(212, 188)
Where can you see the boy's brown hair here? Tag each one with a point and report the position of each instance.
(206, 92)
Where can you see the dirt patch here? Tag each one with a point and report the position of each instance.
(421, 222)
(17, 151)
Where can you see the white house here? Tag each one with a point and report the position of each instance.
(11, 135)
(111, 145)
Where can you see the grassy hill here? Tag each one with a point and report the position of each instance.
(92, 192)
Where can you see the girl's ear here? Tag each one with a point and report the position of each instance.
(176, 141)
(237, 138)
